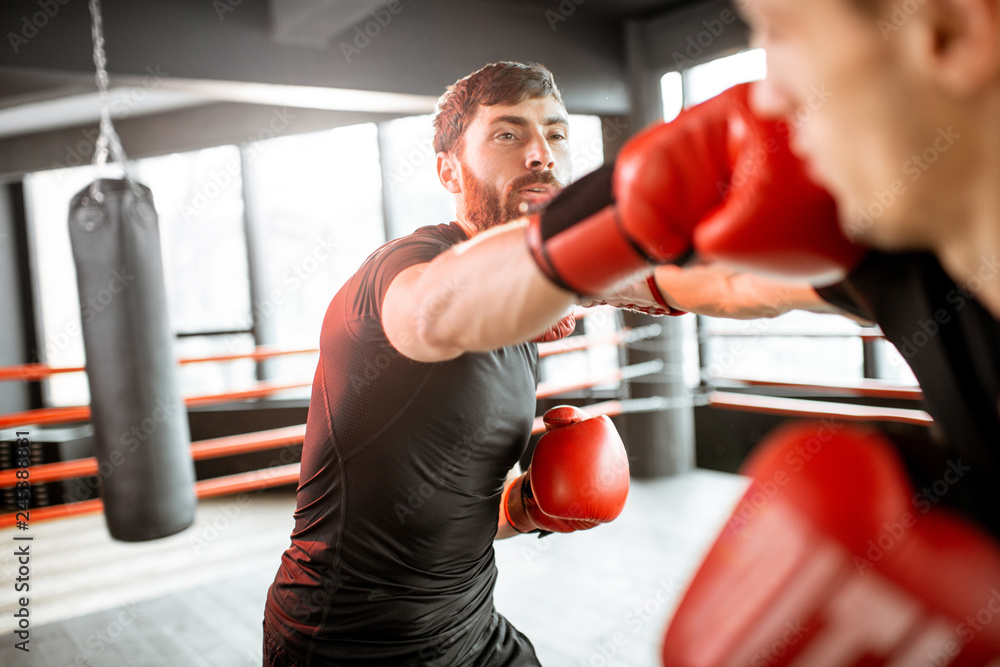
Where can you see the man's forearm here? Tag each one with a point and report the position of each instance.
(487, 293)
(717, 291)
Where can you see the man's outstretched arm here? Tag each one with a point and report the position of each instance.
(477, 296)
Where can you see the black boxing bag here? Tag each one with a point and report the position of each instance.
(142, 440)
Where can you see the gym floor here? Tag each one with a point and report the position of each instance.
(599, 598)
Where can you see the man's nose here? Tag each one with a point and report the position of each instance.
(539, 155)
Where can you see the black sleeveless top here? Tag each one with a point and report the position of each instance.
(391, 559)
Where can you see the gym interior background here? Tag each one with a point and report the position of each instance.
(283, 141)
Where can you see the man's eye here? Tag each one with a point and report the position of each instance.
(506, 136)
(558, 136)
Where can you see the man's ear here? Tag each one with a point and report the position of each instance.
(449, 171)
(959, 40)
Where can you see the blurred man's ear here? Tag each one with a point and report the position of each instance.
(958, 41)
(449, 171)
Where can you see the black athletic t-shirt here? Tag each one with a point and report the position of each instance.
(391, 560)
(952, 344)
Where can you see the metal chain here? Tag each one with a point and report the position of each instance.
(107, 140)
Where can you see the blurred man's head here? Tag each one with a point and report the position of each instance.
(501, 137)
(895, 105)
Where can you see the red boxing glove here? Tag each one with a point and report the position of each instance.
(559, 330)
(716, 181)
(827, 560)
(578, 477)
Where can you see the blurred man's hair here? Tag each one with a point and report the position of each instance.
(498, 83)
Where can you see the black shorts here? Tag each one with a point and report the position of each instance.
(504, 647)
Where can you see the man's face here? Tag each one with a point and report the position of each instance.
(860, 114)
(514, 159)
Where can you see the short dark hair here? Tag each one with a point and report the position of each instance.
(497, 83)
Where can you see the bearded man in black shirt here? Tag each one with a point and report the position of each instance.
(422, 405)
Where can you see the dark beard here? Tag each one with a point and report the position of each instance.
(483, 207)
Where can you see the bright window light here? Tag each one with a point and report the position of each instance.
(672, 90)
(703, 82)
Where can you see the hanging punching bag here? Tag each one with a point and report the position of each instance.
(142, 440)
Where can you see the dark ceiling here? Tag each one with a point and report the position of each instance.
(199, 61)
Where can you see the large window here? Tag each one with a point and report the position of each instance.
(680, 90)
(414, 195)
(199, 200)
(316, 204)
